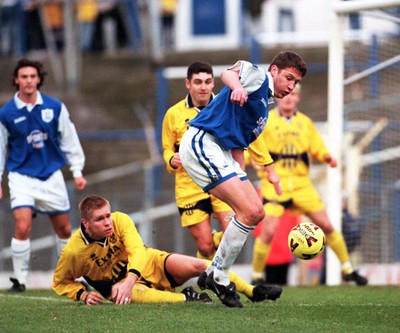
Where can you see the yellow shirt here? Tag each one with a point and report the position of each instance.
(99, 261)
(291, 143)
(87, 10)
(168, 6)
(175, 124)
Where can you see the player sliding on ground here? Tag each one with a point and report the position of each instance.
(108, 252)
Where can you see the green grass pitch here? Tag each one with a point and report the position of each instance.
(300, 309)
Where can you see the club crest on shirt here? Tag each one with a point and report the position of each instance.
(47, 115)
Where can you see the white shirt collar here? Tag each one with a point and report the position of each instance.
(21, 104)
(270, 83)
(271, 87)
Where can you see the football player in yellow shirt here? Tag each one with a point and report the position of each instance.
(291, 139)
(108, 252)
(195, 206)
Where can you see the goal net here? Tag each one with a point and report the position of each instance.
(363, 126)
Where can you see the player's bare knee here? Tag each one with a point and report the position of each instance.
(206, 250)
(254, 215)
(199, 266)
(64, 232)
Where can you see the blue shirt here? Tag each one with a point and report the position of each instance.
(235, 126)
(33, 141)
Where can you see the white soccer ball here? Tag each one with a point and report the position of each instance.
(306, 241)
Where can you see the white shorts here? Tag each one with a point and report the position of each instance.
(49, 196)
(205, 161)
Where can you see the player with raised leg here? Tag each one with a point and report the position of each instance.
(212, 154)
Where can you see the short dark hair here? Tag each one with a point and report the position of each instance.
(24, 62)
(90, 203)
(286, 59)
(199, 67)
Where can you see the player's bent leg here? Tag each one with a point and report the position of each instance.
(61, 225)
(262, 247)
(242, 198)
(182, 267)
(336, 242)
(202, 235)
(223, 218)
(231, 245)
(260, 253)
(217, 237)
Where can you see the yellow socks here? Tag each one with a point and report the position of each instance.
(336, 242)
(241, 285)
(217, 236)
(200, 256)
(143, 294)
(260, 253)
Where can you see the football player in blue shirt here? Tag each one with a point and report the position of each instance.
(212, 154)
(37, 132)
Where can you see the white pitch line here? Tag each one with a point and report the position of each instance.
(36, 298)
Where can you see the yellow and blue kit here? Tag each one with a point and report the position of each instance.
(292, 143)
(106, 262)
(194, 204)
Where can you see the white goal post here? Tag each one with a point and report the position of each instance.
(340, 11)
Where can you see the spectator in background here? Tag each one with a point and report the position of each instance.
(54, 11)
(110, 32)
(253, 10)
(33, 31)
(168, 10)
(10, 27)
(87, 11)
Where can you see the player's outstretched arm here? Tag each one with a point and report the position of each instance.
(273, 178)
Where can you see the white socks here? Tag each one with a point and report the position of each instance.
(21, 252)
(232, 242)
(60, 243)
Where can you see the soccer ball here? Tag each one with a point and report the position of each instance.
(306, 241)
